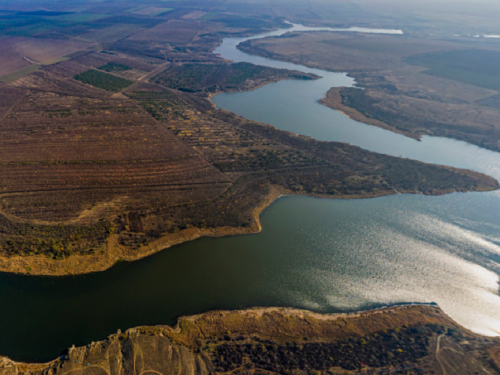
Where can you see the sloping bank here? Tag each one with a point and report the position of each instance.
(112, 251)
(412, 338)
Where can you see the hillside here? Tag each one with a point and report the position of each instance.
(396, 340)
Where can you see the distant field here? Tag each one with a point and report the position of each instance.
(384, 44)
(103, 80)
(33, 23)
(28, 29)
(59, 59)
(238, 22)
(132, 10)
(112, 33)
(81, 17)
(15, 52)
(210, 15)
(151, 11)
(168, 33)
(114, 67)
(194, 15)
(19, 74)
(475, 67)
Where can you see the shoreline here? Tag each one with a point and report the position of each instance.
(260, 311)
(333, 100)
(282, 323)
(212, 95)
(351, 112)
(114, 253)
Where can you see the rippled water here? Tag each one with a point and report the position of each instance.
(327, 255)
(464, 256)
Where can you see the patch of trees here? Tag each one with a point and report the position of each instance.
(138, 48)
(160, 105)
(114, 67)
(54, 241)
(219, 77)
(389, 348)
(103, 80)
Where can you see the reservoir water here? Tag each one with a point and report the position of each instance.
(326, 255)
(293, 105)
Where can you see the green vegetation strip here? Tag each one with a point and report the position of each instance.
(161, 11)
(213, 77)
(8, 78)
(114, 67)
(81, 17)
(103, 80)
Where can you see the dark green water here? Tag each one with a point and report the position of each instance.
(326, 255)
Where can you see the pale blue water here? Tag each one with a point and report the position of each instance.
(293, 105)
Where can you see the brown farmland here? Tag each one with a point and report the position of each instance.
(19, 52)
(169, 32)
(91, 176)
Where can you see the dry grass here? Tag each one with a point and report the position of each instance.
(17, 52)
(397, 96)
(413, 339)
(169, 32)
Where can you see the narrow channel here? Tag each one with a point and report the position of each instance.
(293, 105)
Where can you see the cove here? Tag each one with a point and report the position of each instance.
(325, 255)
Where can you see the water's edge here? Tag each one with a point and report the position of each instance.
(322, 255)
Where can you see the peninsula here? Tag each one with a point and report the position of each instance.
(117, 153)
(412, 86)
(415, 339)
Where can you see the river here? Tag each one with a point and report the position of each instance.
(466, 224)
(326, 255)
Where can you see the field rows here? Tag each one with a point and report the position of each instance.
(102, 130)
(33, 177)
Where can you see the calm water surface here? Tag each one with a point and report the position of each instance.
(327, 255)
(292, 105)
